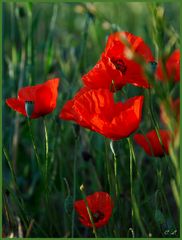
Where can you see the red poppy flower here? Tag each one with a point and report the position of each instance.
(43, 97)
(136, 44)
(151, 144)
(172, 67)
(115, 69)
(95, 109)
(100, 205)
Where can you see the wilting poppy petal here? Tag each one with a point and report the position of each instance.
(95, 109)
(151, 144)
(43, 96)
(172, 67)
(100, 205)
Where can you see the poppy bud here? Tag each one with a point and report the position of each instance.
(68, 204)
(82, 188)
(152, 67)
(29, 107)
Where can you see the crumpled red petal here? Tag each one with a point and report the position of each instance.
(95, 109)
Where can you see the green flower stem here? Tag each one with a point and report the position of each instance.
(135, 210)
(46, 156)
(88, 210)
(67, 186)
(30, 41)
(107, 165)
(11, 168)
(131, 180)
(74, 184)
(19, 199)
(160, 185)
(156, 126)
(115, 167)
(34, 145)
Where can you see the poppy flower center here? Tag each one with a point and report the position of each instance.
(120, 65)
(97, 216)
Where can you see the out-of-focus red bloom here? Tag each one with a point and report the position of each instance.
(135, 43)
(117, 66)
(100, 205)
(151, 144)
(172, 67)
(95, 109)
(43, 98)
(174, 108)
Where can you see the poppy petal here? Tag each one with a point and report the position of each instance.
(137, 44)
(100, 205)
(151, 144)
(95, 109)
(102, 75)
(16, 105)
(172, 67)
(43, 96)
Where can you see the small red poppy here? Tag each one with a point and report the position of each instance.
(115, 69)
(151, 144)
(95, 109)
(172, 67)
(100, 205)
(43, 97)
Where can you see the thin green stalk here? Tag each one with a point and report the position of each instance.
(131, 181)
(160, 185)
(34, 145)
(88, 210)
(21, 204)
(115, 167)
(82, 47)
(46, 155)
(135, 209)
(107, 166)
(156, 126)
(11, 167)
(74, 185)
(49, 48)
(30, 42)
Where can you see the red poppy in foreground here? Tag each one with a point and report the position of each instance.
(172, 67)
(117, 67)
(95, 109)
(36, 101)
(151, 144)
(100, 205)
